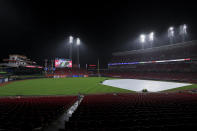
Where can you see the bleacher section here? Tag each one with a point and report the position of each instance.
(26, 114)
(129, 111)
(151, 111)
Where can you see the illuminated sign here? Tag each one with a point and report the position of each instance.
(148, 62)
(61, 63)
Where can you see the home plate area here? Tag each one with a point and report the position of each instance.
(139, 85)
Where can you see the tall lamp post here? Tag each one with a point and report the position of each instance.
(70, 47)
(142, 40)
(151, 39)
(183, 31)
(171, 34)
(78, 42)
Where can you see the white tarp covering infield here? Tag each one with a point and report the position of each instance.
(138, 85)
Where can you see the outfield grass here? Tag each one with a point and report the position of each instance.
(59, 86)
(190, 87)
(2, 72)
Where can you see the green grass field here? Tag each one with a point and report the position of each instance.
(58, 86)
(190, 87)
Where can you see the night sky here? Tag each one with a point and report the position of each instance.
(40, 30)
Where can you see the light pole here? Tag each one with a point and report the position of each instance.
(183, 31)
(70, 45)
(78, 42)
(142, 40)
(171, 34)
(151, 38)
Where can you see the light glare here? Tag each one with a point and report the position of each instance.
(78, 41)
(70, 39)
(184, 26)
(142, 38)
(183, 29)
(171, 32)
(171, 28)
(151, 36)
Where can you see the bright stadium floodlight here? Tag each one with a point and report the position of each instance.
(142, 38)
(171, 34)
(185, 26)
(183, 31)
(78, 41)
(70, 39)
(151, 36)
(171, 28)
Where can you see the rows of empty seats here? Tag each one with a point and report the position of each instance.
(31, 113)
(151, 111)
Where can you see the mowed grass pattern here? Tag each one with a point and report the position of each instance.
(58, 86)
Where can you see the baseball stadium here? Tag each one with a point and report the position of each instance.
(68, 67)
(149, 88)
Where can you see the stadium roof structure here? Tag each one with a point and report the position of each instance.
(160, 48)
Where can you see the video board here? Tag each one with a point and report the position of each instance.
(62, 63)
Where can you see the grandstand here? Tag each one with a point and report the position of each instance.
(172, 62)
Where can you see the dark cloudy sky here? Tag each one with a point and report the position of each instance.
(39, 29)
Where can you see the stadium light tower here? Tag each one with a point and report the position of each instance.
(70, 39)
(142, 40)
(151, 38)
(183, 31)
(70, 46)
(78, 42)
(171, 34)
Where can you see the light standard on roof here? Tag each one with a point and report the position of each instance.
(151, 38)
(78, 42)
(70, 47)
(142, 40)
(183, 31)
(171, 34)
